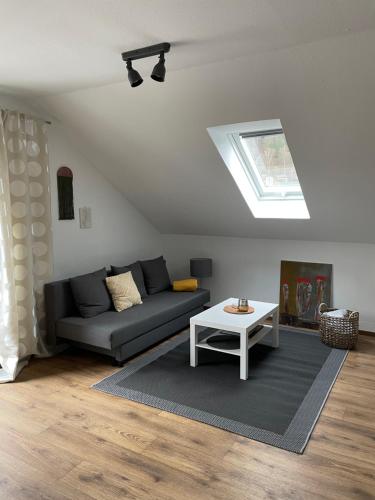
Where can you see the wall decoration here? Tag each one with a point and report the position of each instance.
(85, 220)
(65, 193)
(303, 287)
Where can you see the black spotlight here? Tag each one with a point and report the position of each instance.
(158, 73)
(134, 77)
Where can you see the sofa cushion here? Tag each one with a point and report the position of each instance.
(90, 293)
(123, 290)
(156, 275)
(187, 285)
(137, 274)
(112, 329)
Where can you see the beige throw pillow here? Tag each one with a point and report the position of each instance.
(123, 290)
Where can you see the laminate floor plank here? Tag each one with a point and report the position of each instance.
(60, 439)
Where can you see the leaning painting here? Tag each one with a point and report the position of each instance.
(303, 287)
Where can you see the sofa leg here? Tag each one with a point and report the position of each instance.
(115, 362)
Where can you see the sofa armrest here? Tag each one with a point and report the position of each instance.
(59, 304)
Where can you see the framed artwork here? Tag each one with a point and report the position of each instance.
(65, 193)
(303, 287)
(85, 219)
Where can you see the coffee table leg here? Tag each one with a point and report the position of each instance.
(193, 348)
(244, 356)
(275, 329)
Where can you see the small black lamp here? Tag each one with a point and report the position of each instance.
(134, 77)
(158, 73)
(201, 267)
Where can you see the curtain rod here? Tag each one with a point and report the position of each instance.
(48, 122)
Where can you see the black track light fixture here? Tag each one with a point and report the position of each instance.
(134, 77)
(158, 73)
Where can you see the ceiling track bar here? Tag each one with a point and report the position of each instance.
(152, 50)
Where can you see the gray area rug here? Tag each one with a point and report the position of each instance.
(279, 404)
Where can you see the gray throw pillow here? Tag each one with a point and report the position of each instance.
(156, 275)
(90, 293)
(137, 274)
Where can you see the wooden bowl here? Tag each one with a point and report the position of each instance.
(233, 309)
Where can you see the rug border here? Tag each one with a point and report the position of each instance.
(299, 430)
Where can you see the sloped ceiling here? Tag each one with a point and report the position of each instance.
(310, 64)
(57, 46)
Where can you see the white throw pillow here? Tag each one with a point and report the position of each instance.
(123, 290)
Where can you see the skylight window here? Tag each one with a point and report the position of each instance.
(258, 157)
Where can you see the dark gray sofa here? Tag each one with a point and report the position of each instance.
(120, 335)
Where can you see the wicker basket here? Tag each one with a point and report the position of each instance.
(340, 333)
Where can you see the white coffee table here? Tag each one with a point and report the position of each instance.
(240, 324)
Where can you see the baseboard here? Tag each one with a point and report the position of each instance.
(365, 332)
(361, 332)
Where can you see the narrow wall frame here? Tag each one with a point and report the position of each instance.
(65, 193)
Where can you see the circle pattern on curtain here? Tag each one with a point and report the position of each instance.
(26, 143)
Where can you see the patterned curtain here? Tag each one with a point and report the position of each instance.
(25, 240)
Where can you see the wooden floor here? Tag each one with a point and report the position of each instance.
(61, 439)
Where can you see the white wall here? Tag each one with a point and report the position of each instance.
(120, 234)
(251, 268)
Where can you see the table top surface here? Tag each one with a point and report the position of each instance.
(216, 317)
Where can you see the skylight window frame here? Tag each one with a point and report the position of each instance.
(265, 207)
(252, 172)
